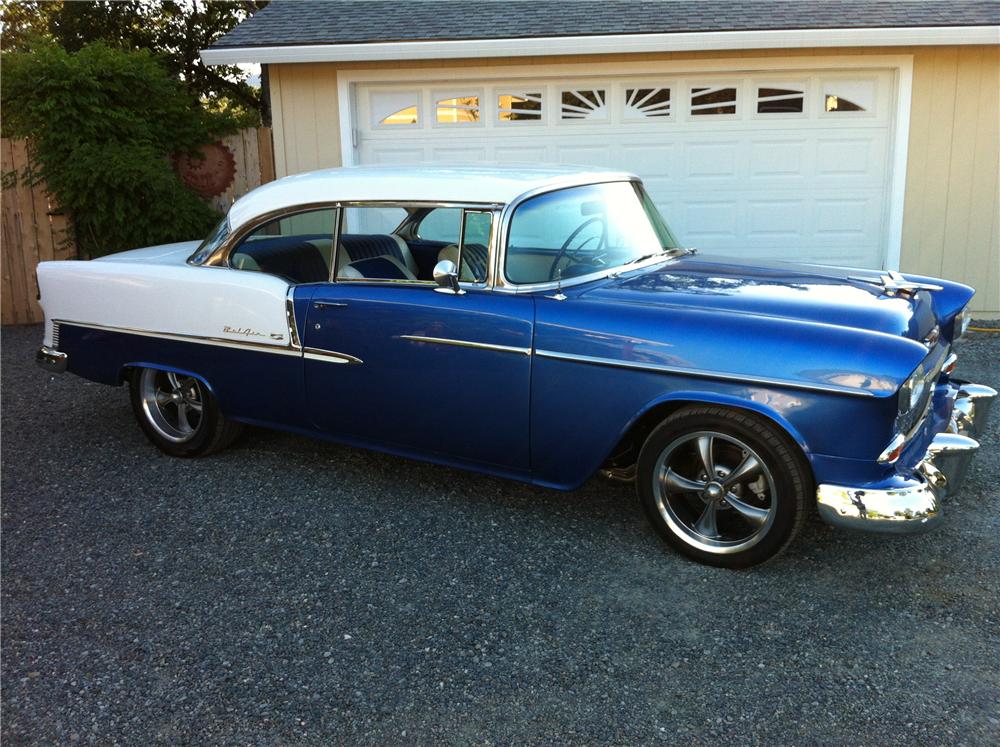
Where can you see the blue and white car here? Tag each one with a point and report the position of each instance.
(540, 324)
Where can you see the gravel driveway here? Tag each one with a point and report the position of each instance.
(292, 591)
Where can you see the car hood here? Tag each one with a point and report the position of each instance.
(813, 293)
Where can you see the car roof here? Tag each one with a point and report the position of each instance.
(480, 183)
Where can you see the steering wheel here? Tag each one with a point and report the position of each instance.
(564, 249)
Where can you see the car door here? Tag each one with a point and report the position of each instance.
(405, 366)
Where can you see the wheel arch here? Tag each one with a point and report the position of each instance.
(126, 371)
(657, 410)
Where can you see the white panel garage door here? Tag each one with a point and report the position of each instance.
(783, 166)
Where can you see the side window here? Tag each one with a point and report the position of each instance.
(368, 248)
(475, 246)
(441, 224)
(298, 248)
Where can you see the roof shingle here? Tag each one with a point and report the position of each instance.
(298, 22)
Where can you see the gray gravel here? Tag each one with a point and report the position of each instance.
(292, 591)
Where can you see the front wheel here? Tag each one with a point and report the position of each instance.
(722, 486)
(178, 413)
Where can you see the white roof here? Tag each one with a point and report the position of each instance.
(480, 183)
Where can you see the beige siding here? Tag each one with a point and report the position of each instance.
(951, 219)
(953, 171)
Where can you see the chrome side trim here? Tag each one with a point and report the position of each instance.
(330, 356)
(701, 373)
(467, 344)
(293, 328)
(198, 339)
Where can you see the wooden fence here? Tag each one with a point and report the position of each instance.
(33, 230)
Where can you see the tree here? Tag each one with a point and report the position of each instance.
(175, 32)
(103, 123)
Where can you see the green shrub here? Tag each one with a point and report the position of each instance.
(103, 124)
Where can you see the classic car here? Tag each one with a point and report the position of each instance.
(541, 324)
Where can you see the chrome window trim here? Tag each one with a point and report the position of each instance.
(702, 373)
(259, 347)
(220, 257)
(466, 344)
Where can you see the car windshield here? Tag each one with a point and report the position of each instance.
(582, 230)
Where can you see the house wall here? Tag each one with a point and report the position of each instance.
(951, 217)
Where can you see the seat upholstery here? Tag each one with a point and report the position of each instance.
(295, 258)
(474, 262)
(358, 246)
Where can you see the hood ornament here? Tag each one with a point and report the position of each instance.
(893, 283)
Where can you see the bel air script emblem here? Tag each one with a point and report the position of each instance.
(247, 332)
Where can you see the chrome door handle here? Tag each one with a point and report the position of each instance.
(328, 305)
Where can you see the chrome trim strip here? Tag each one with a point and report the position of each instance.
(743, 378)
(467, 344)
(293, 329)
(198, 339)
(220, 257)
(330, 356)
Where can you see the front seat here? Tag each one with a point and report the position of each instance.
(473, 268)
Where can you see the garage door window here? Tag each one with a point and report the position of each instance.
(519, 107)
(395, 108)
(646, 103)
(717, 100)
(780, 101)
(848, 95)
(458, 110)
(584, 104)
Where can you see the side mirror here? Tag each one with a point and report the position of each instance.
(446, 276)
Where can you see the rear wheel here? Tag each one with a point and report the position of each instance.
(722, 486)
(178, 413)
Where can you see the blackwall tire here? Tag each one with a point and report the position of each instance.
(724, 487)
(178, 413)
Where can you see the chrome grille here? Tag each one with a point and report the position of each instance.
(55, 336)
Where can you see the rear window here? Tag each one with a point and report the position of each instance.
(211, 243)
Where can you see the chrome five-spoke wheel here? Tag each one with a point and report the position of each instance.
(173, 404)
(714, 491)
(723, 486)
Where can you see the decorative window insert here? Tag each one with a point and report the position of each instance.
(780, 100)
(457, 110)
(395, 108)
(588, 103)
(848, 95)
(713, 100)
(646, 103)
(519, 107)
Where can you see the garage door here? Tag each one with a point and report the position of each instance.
(784, 166)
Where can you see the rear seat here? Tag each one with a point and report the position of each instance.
(358, 247)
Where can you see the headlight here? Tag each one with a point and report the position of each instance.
(961, 325)
(913, 397)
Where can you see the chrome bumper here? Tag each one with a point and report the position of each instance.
(51, 360)
(915, 504)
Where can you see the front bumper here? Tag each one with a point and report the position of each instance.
(51, 360)
(913, 503)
